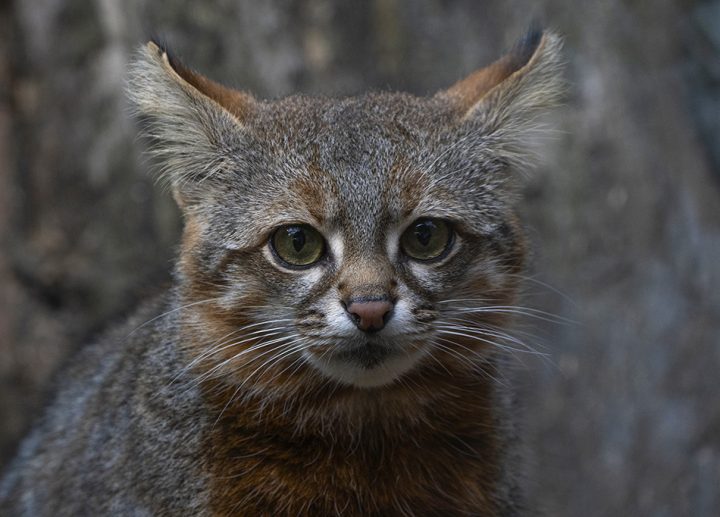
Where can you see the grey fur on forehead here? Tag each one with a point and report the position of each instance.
(355, 130)
(357, 142)
(348, 149)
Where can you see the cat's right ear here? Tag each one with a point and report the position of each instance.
(504, 99)
(193, 122)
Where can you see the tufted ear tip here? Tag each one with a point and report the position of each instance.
(237, 103)
(526, 70)
(154, 47)
(158, 47)
(504, 102)
(525, 47)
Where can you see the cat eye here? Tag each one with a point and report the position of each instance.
(298, 245)
(426, 239)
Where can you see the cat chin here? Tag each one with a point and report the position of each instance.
(351, 371)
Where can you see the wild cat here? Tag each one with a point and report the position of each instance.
(334, 334)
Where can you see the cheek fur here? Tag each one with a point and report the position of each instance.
(404, 321)
(337, 321)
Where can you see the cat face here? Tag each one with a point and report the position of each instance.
(346, 240)
(360, 232)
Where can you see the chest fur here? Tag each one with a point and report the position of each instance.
(319, 479)
(432, 466)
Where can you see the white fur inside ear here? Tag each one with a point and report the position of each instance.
(508, 118)
(189, 132)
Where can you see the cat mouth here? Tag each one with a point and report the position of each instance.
(366, 364)
(368, 355)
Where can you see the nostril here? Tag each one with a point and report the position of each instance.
(370, 315)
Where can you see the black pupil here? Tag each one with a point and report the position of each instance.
(298, 238)
(423, 232)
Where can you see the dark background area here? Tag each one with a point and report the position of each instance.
(623, 213)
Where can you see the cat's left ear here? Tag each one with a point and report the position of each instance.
(195, 123)
(505, 98)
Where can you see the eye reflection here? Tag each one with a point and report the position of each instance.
(426, 239)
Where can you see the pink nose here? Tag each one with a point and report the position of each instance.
(370, 315)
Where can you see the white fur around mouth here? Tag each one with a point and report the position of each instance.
(366, 371)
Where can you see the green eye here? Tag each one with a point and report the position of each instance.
(426, 239)
(298, 244)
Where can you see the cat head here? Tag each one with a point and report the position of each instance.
(355, 239)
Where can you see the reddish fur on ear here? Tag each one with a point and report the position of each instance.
(466, 93)
(238, 103)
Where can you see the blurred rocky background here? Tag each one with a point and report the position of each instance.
(624, 213)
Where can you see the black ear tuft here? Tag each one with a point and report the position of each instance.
(526, 46)
(162, 43)
(159, 41)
